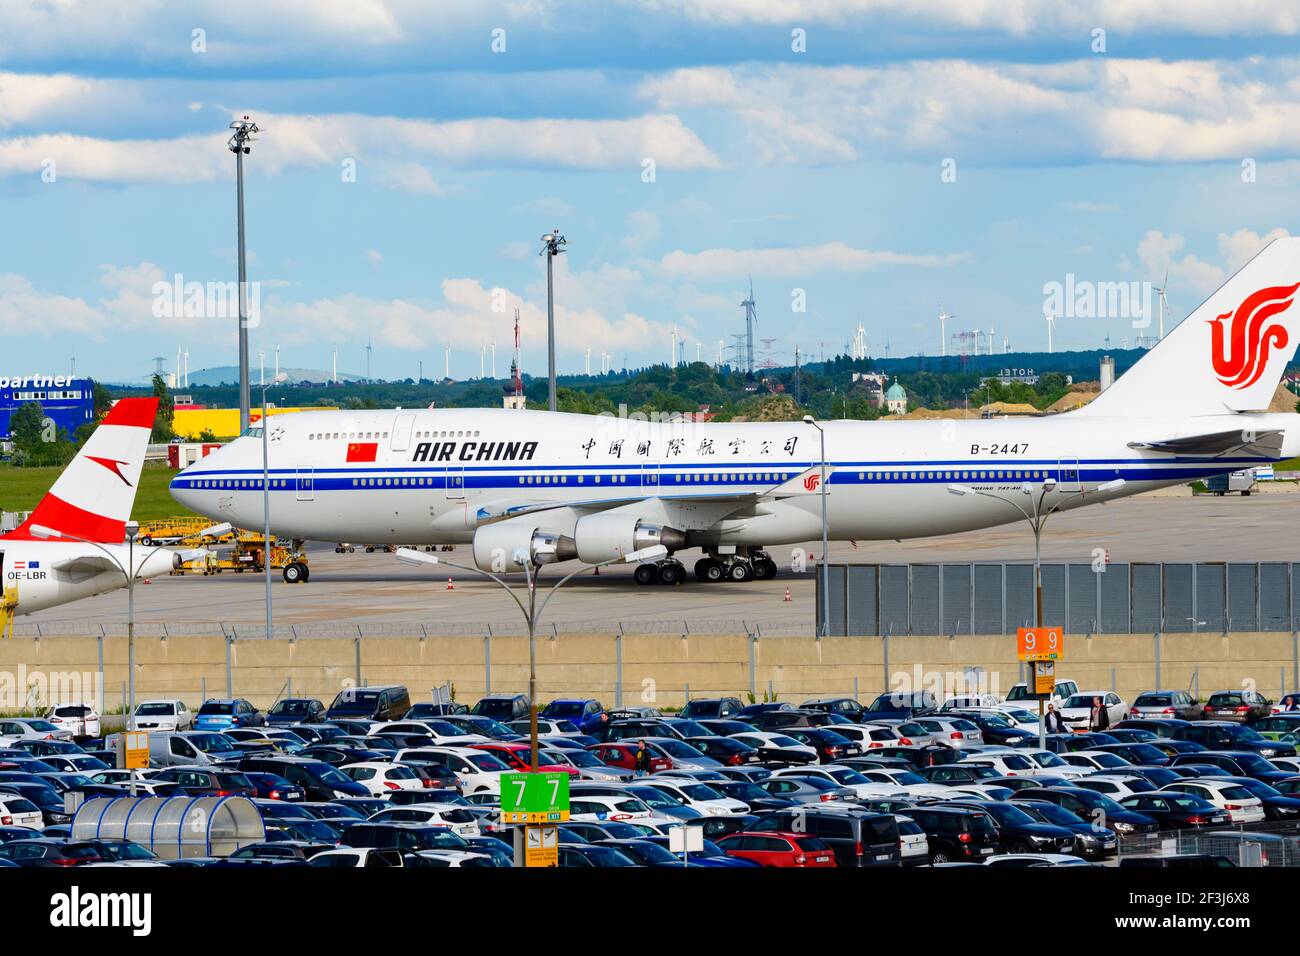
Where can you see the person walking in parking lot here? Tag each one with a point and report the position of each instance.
(1054, 721)
(1098, 717)
(642, 759)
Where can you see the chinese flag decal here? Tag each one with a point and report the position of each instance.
(362, 450)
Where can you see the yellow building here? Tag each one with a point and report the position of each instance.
(221, 422)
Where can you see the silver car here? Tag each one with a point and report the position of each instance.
(29, 728)
(955, 732)
(808, 790)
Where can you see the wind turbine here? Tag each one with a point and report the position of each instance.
(1163, 302)
(587, 365)
(1051, 326)
(943, 330)
(990, 340)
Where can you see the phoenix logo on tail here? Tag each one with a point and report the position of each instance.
(113, 465)
(1241, 356)
(811, 482)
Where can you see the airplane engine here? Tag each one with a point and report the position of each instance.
(600, 537)
(499, 547)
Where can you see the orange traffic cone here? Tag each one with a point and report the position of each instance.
(787, 595)
(450, 586)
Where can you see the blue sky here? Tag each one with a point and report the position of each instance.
(818, 171)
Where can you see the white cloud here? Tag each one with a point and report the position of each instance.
(797, 261)
(373, 256)
(1159, 254)
(1242, 246)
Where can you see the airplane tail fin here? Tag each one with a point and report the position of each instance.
(1228, 355)
(92, 499)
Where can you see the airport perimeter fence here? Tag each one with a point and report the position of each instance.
(1093, 598)
(1245, 844)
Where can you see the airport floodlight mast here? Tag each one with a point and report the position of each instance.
(239, 144)
(551, 247)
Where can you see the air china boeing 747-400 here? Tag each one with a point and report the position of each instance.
(516, 484)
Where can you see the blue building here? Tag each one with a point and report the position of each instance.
(68, 401)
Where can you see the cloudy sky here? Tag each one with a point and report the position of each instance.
(867, 161)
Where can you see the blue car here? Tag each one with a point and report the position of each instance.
(711, 855)
(587, 713)
(228, 713)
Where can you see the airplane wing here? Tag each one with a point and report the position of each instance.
(715, 504)
(1266, 443)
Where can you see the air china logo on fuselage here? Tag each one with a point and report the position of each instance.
(475, 451)
(1241, 355)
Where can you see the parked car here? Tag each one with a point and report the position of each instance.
(1228, 735)
(779, 849)
(169, 714)
(207, 782)
(295, 710)
(1278, 727)
(377, 703)
(13, 729)
(1076, 710)
(80, 720)
(1176, 810)
(1177, 704)
(503, 707)
(957, 834)
(900, 704)
(224, 713)
(586, 713)
(318, 780)
(846, 707)
(1240, 706)
(1018, 832)
(622, 753)
(716, 708)
(1239, 803)
(858, 837)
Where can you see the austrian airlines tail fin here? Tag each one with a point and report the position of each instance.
(1228, 355)
(92, 499)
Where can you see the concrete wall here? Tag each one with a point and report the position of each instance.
(655, 669)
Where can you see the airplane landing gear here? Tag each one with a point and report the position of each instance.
(667, 571)
(710, 569)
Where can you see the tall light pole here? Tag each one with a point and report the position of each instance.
(1037, 518)
(266, 501)
(531, 562)
(129, 571)
(551, 247)
(239, 145)
(824, 630)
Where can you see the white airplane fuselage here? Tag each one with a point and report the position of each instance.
(437, 476)
(49, 573)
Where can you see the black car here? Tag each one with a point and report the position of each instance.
(729, 726)
(846, 707)
(829, 745)
(635, 728)
(406, 837)
(1225, 735)
(1157, 776)
(1018, 832)
(1095, 841)
(1197, 861)
(858, 837)
(958, 774)
(1090, 805)
(337, 756)
(644, 852)
(957, 834)
(901, 704)
(295, 710)
(425, 710)
(753, 710)
(1069, 743)
(593, 855)
(714, 707)
(45, 797)
(752, 794)
(1235, 763)
(45, 853)
(997, 730)
(1167, 727)
(918, 757)
(1145, 754)
(1177, 811)
(205, 782)
(318, 779)
(779, 721)
(725, 751)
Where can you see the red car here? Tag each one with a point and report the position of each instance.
(520, 757)
(620, 753)
(778, 849)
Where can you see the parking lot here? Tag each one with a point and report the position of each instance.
(371, 780)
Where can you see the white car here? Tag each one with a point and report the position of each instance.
(850, 778)
(1021, 695)
(356, 857)
(169, 714)
(546, 727)
(476, 770)
(1286, 763)
(13, 729)
(452, 858)
(1117, 785)
(1242, 805)
(698, 796)
(1051, 764)
(382, 778)
(439, 732)
(81, 720)
(1075, 710)
(1020, 716)
(598, 808)
(763, 739)
(1009, 763)
(457, 819)
(16, 811)
(870, 736)
(913, 844)
(1094, 760)
(73, 763)
(894, 780)
(143, 788)
(968, 701)
(954, 732)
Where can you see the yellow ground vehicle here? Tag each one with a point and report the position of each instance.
(247, 554)
(180, 531)
(8, 603)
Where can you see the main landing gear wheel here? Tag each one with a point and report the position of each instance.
(671, 572)
(709, 569)
(295, 573)
(739, 571)
(764, 568)
(646, 574)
